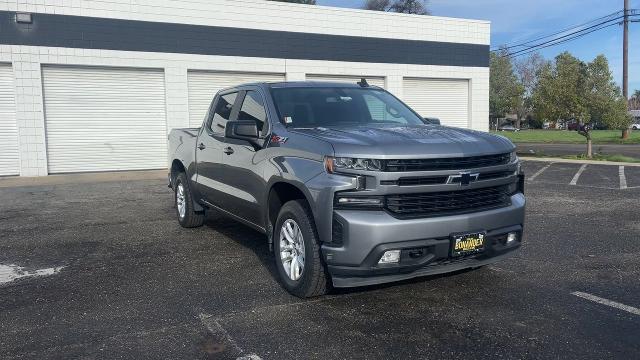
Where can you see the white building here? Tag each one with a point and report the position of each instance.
(95, 85)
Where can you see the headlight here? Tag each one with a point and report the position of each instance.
(334, 164)
(513, 157)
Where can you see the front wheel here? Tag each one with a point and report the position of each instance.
(297, 251)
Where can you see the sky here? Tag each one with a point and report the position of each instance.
(522, 20)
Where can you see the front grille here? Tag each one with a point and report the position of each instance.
(494, 175)
(446, 163)
(445, 203)
(414, 181)
(422, 180)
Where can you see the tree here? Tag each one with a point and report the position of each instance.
(505, 91)
(377, 5)
(607, 105)
(569, 89)
(527, 70)
(308, 2)
(634, 102)
(400, 6)
(561, 93)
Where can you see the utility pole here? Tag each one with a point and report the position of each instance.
(625, 60)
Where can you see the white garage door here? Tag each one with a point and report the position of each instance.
(203, 86)
(9, 158)
(446, 99)
(101, 119)
(377, 81)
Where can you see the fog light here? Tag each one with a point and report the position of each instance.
(511, 238)
(389, 257)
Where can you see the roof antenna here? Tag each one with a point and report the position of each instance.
(363, 83)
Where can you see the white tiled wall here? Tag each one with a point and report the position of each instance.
(262, 14)
(270, 15)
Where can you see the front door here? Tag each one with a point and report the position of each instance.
(243, 172)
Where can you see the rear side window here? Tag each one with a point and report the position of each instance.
(222, 112)
(253, 110)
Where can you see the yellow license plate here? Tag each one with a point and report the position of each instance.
(468, 244)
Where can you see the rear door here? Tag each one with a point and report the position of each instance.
(242, 174)
(209, 149)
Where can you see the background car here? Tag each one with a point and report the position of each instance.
(508, 128)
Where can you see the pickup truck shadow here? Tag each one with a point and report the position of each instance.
(243, 236)
(257, 242)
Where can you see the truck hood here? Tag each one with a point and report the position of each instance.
(410, 141)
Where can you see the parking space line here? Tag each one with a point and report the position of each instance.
(607, 302)
(219, 332)
(574, 181)
(623, 178)
(539, 172)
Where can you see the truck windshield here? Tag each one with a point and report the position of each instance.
(338, 106)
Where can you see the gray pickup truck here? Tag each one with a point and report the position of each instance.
(350, 186)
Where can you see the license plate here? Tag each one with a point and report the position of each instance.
(468, 244)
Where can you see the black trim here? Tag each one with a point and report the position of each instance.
(435, 259)
(132, 35)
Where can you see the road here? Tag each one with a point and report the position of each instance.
(123, 280)
(632, 150)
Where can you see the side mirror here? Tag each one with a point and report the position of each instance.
(431, 121)
(241, 130)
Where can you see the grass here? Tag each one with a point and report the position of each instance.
(597, 157)
(570, 137)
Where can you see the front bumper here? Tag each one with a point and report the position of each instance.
(366, 235)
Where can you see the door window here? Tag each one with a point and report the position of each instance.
(222, 112)
(253, 110)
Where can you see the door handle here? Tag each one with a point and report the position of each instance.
(201, 146)
(228, 150)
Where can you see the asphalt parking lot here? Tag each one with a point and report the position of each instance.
(119, 278)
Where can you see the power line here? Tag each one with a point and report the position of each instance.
(565, 36)
(507, 46)
(568, 37)
(528, 51)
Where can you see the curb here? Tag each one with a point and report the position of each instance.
(572, 161)
(17, 181)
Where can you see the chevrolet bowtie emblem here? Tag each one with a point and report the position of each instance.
(463, 178)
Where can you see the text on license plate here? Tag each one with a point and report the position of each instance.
(468, 244)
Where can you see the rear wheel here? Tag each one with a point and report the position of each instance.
(187, 217)
(297, 251)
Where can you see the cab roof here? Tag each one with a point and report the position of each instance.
(312, 84)
(301, 84)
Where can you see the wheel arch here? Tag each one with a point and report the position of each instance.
(176, 167)
(280, 192)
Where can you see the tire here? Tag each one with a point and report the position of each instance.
(182, 194)
(312, 280)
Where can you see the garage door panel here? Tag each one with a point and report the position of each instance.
(446, 99)
(9, 156)
(203, 86)
(101, 119)
(377, 81)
